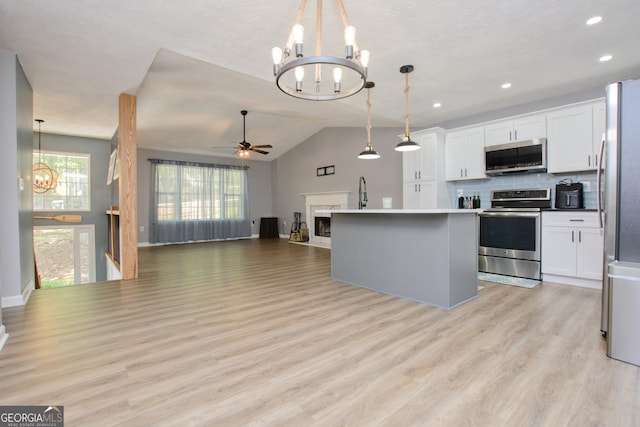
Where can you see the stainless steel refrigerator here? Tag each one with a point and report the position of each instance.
(619, 207)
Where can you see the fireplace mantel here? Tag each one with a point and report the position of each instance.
(327, 200)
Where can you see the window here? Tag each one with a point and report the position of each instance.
(193, 193)
(74, 184)
(196, 201)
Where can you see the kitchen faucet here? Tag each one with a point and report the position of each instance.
(362, 193)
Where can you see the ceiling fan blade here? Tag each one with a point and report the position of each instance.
(263, 146)
(258, 150)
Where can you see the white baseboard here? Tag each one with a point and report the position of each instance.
(573, 281)
(4, 336)
(18, 300)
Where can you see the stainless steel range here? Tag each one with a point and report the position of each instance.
(510, 232)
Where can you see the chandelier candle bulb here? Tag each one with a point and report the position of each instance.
(364, 58)
(276, 55)
(349, 40)
(298, 37)
(337, 77)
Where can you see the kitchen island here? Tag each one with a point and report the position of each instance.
(426, 255)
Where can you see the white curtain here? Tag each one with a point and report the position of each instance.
(197, 201)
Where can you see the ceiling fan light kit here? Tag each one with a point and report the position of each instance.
(369, 153)
(349, 76)
(407, 144)
(244, 148)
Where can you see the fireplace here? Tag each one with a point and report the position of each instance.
(322, 226)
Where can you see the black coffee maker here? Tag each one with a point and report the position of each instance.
(569, 195)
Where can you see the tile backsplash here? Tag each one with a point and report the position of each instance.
(524, 181)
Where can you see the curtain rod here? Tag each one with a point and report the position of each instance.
(186, 162)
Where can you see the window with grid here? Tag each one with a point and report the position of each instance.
(74, 182)
(196, 193)
(198, 201)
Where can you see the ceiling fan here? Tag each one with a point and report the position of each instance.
(244, 148)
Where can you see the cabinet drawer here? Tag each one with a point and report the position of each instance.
(570, 219)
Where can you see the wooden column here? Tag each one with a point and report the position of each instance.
(128, 187)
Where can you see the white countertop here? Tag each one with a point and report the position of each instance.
(400, 211)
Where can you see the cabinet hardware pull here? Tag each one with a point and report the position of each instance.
(573, 236)
(510, 136)
(465, 171)
(589, 160)
(576, 220)
(515, 135)
(419, 174)
(579, 236)
(461, 175)
(415, 188)
(419, 188)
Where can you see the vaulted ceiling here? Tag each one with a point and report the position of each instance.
(194, 64)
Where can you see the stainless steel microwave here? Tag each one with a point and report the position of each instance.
(520, 156)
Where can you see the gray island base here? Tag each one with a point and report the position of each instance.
(425, 255)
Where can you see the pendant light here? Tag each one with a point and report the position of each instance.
(369, 152)
(407, 144)
(44, 178)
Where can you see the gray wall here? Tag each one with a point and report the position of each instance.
(99, 150)
(295, 171)
(260, 182)
(16, 124)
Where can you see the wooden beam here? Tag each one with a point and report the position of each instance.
(128, 187)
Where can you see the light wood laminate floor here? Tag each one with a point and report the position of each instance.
(255, 332)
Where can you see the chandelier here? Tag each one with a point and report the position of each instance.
(369, 152)
(44, 178)
(407, 144)
(349, 77)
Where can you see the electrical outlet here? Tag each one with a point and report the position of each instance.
(284, 225)
(142, 228)
(460, 192)
(587, 185)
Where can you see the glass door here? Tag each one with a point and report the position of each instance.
(65, 254)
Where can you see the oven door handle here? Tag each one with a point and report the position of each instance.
(510, 214)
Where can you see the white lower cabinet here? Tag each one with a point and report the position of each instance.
(572, 245)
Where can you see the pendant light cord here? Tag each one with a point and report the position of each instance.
(369, 118)
(406, 116)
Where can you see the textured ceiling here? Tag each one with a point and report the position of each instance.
(194, 64)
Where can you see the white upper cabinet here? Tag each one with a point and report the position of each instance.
(519, 129)
(423, 172)
(574, 136)
(599, 128)
(421, 164)
(465, 154)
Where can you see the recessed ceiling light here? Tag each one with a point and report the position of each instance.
(506, 85)
(594, 20)
(606, 58)
(437, 105)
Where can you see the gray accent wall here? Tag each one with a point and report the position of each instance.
(260, 185)
(16, 124)
(294, 172)
(99, 150)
